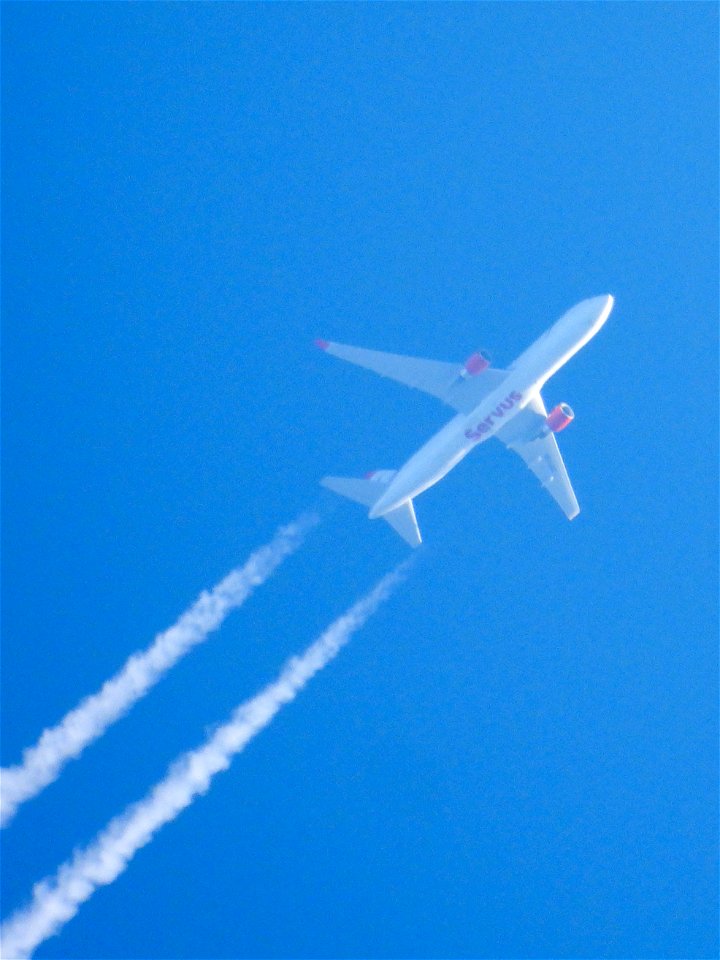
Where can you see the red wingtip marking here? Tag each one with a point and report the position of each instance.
(370, 474)
(323, 344)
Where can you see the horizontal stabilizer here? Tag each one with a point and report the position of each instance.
(368, 491)
(403, 521)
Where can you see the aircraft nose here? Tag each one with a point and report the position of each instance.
(596, 310)
(604, 304)
(608, 302)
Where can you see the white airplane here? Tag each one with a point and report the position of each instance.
(490, 403)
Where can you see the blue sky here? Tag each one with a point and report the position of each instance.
(517, 757)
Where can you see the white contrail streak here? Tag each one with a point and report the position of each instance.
(57, 900)
(42, 763)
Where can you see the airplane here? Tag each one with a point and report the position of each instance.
(489, 402)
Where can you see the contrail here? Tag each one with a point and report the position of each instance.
(57, 900)
(42, 763)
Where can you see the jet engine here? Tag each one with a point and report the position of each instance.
(475, 364)
(559, 418)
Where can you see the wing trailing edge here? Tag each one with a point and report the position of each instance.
(454, 384)
(526, 436)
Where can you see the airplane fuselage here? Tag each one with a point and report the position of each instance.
(525, 379)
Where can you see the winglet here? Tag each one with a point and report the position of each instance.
(323, 344)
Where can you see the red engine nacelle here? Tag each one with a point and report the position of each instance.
(559, 418)
(475, 364)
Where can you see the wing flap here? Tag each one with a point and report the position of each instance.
(541, 453)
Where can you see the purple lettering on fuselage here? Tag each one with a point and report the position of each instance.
(486, 425)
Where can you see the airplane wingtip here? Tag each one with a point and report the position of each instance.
(322, 344)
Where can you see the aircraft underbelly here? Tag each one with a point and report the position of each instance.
(427, 475)
(428, 465)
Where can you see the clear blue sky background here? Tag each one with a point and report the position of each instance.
(518, 756)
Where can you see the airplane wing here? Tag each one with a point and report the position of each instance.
(541, 453)
(441, 380)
